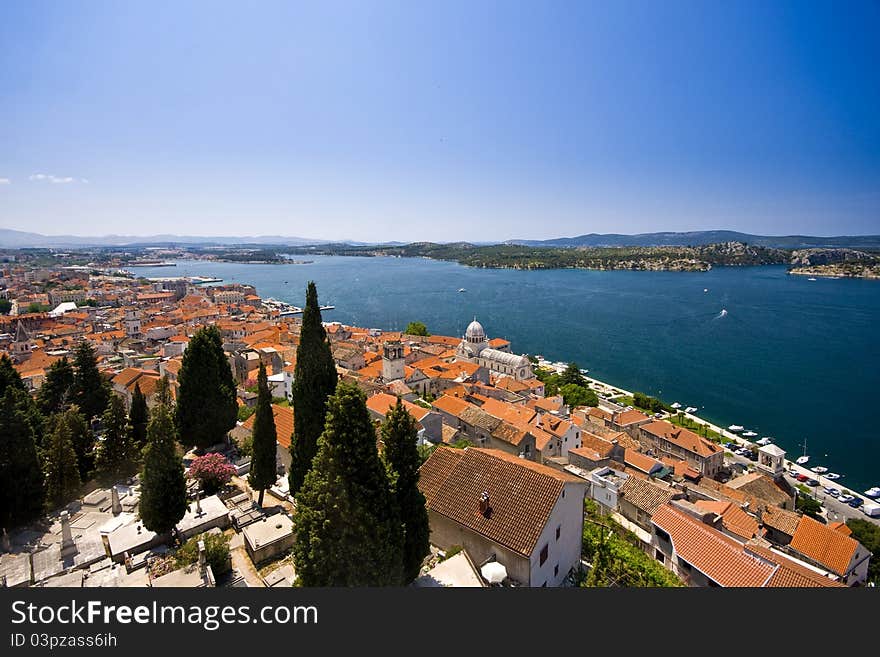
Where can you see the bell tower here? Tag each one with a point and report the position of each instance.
(392, 362)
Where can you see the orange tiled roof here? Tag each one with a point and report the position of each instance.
(522, 493)
(831, 548)
(283, 416)
(732, 516)
(630, 417)
(381, 403)
(682, 437)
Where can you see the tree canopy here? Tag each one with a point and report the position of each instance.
(206, 406)
(263, 445)
(347, 523)
(62, 474)
(21, 476)
(138, 417)
(163, 484)
(116, 452)
(56, 389)
(401, 454)
(90, 391)
(416, 328)
(314, 380)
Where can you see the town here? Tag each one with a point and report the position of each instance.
(531, 473)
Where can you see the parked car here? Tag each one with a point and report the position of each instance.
(856, 502)
(833, 492)
(802, 477)
(729, 444)
(752, 455)
(846, 498)
(812, 482)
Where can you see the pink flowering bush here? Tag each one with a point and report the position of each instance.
(212, 471)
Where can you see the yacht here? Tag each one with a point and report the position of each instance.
(811, 279)
(832, 475)
(735, 428)
(801, 460)
(461, 289)
(690, 409)
(766, 440)
(676, 405)
(819, 469)
(749, 434)
(873, 492)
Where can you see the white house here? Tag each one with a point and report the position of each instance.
(527, 516)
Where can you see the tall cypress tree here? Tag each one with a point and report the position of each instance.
(206, 406)
(56, 389)
(8, 375)
(90, 391)
(262, 474)
(115, 452)
(163, 485)
(400, 436)
(62, 473)
(347, 525)
(21, 476)
(82, 439)
(314, 380)
(138, 416)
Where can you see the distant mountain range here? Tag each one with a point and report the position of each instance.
(17, 239)
(704, 237)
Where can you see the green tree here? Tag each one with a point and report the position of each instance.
(571, 375)
(5, 306)
(62, 473)
(9, 376)
(82, 438)
(868, 534)
(21, 477)
(163, 484)
(347, 525)
(575, 395)
(138, 417)
(809, 505)
(56, 389)
(206, 406)
(416, 328)
(115, 451)
(216, 552)
(90, 391)
(314, 380)
(263, 468)
(401, 453)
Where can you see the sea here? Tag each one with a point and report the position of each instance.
(784, 356)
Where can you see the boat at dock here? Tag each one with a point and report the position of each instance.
(833, 475)
(802, 460)
(766, 440)
(690, 409)
(735, 428)
(819, 469)
(873, 492)
(749, 434)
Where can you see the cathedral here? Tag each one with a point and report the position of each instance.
(474, 348)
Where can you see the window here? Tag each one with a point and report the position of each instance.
(556, 570)
(545, 551)
(563, 492)
(558, 531)
(660, 556)
(662, 535)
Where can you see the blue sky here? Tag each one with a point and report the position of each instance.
(458, 120)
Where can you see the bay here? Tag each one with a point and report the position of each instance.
(791, 358)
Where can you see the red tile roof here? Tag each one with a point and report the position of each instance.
(824, 545)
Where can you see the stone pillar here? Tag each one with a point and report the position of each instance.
(117, 505)
(202, 557)
(67, 544)
(198, 504)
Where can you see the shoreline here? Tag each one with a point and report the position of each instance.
(790, 465)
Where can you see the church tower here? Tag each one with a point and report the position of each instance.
(132, 323)
(392, 362)
(21, 345)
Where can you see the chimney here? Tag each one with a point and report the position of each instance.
(485, 509)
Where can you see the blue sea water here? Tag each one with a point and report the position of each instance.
(791, 358)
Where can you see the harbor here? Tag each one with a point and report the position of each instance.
(286, 309)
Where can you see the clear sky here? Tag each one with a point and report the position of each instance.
(459, 121)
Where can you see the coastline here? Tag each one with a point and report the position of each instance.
(790, 465)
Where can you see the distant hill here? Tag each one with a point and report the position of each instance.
(17, 239)
(704, 237)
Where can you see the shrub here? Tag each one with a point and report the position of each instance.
(216, 552)
(212, 471)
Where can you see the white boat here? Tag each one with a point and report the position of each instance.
(801, 460)
(735, 428)
(705, 289)
(832, 475)
(749, 434)
(766, 440)
(819, 469)
(873, 492)
(690, 409)
(676, 405)
(811, 279)
(723, 313)
(461, 289)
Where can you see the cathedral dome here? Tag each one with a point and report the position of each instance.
(475, 332)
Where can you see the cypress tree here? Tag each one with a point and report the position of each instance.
(400, 436)
(90, 391)
(62, 473)
(206, 406)
(115, 451)
(21, 477)
(82, 439)
(347, 525)
(163, 485)
(314, 380)
(56, 389)
(138, 416)
(9, 376)
(262, 474)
